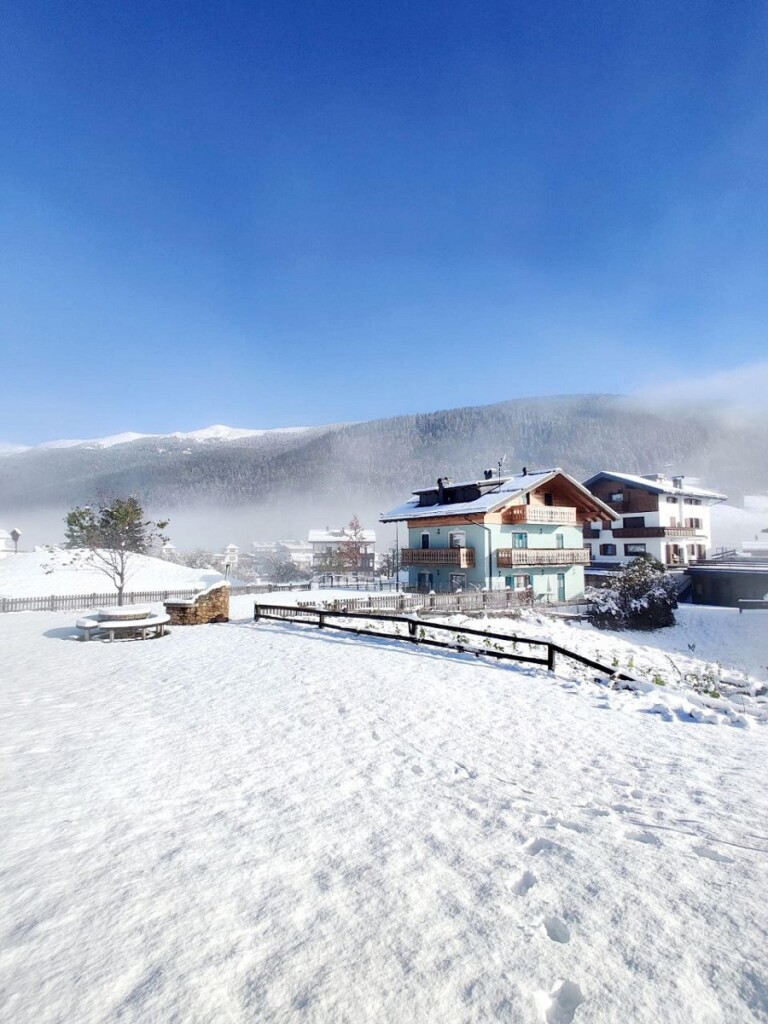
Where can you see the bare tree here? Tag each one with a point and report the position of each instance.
(111, 534)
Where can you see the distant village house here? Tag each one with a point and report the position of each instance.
(344, 548)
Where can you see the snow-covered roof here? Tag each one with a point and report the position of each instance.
(656, 483)
(505, 489)
(338, 536)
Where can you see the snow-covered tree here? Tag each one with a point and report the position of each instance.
(642, 596)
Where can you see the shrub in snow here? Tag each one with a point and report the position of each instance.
(642, 596)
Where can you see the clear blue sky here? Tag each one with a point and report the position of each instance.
(302, 212)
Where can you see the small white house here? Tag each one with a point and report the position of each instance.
(328, 544)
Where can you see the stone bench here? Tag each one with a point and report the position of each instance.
(154, 624)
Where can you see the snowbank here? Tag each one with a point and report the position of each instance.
(47, 571)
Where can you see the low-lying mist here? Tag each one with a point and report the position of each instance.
(212, 527)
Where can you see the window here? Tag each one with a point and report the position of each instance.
(633, 522)
(692, 501)
(517, 582)
(519, 540)
(607, 549)
(588, 547)
(607, 524)
(634, 549)
(425, 542)
(425, 581)
(693, 523)
(671, 501)
(457, 581)
(548, 499)
(559, 541)
(457, 539)
(617, 496)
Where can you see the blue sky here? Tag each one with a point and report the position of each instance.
(294, 213)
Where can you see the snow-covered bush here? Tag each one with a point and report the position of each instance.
(642, 596)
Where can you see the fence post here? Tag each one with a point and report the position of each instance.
(320, 620)
(256, 612)
(550, 658)
(412, 630)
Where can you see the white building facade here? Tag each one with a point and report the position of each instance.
(329, 545)
(659, 516)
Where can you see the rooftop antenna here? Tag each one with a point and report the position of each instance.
(502, 460)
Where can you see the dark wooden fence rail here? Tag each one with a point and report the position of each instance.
(417, 634)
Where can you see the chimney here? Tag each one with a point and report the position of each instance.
(487, 474)
(525, 471)
(677, 481)
(440, 491)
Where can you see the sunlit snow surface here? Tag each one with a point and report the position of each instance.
(266, 823)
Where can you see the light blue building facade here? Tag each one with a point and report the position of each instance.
(523, 532)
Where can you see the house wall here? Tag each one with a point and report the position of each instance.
(543, 579)
(658, 511)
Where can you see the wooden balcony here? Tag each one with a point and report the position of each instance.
(552, 515)
(658, 531)
(462, 558)
(508, 558)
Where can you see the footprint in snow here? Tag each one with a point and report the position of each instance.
(644, 837)
(556, 929)
(562, 1002)
(704, 851)
(523, 885)
(539, 845)
(417, 769)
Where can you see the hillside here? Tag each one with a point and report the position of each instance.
(220, 485)
(382, 457)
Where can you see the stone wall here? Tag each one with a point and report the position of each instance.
(211, 605)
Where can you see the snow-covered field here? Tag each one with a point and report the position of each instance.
(267, 822)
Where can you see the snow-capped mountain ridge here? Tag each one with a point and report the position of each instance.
(217, 432)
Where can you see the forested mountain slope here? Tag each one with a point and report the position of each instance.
(382, 460)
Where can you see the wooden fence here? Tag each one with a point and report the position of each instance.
(491, 600)
(460, 638)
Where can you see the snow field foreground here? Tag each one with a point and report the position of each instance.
(241, 822)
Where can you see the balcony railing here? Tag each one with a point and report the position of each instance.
(463, 558)
(658, 531)
(549, 514)
(510, 557)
